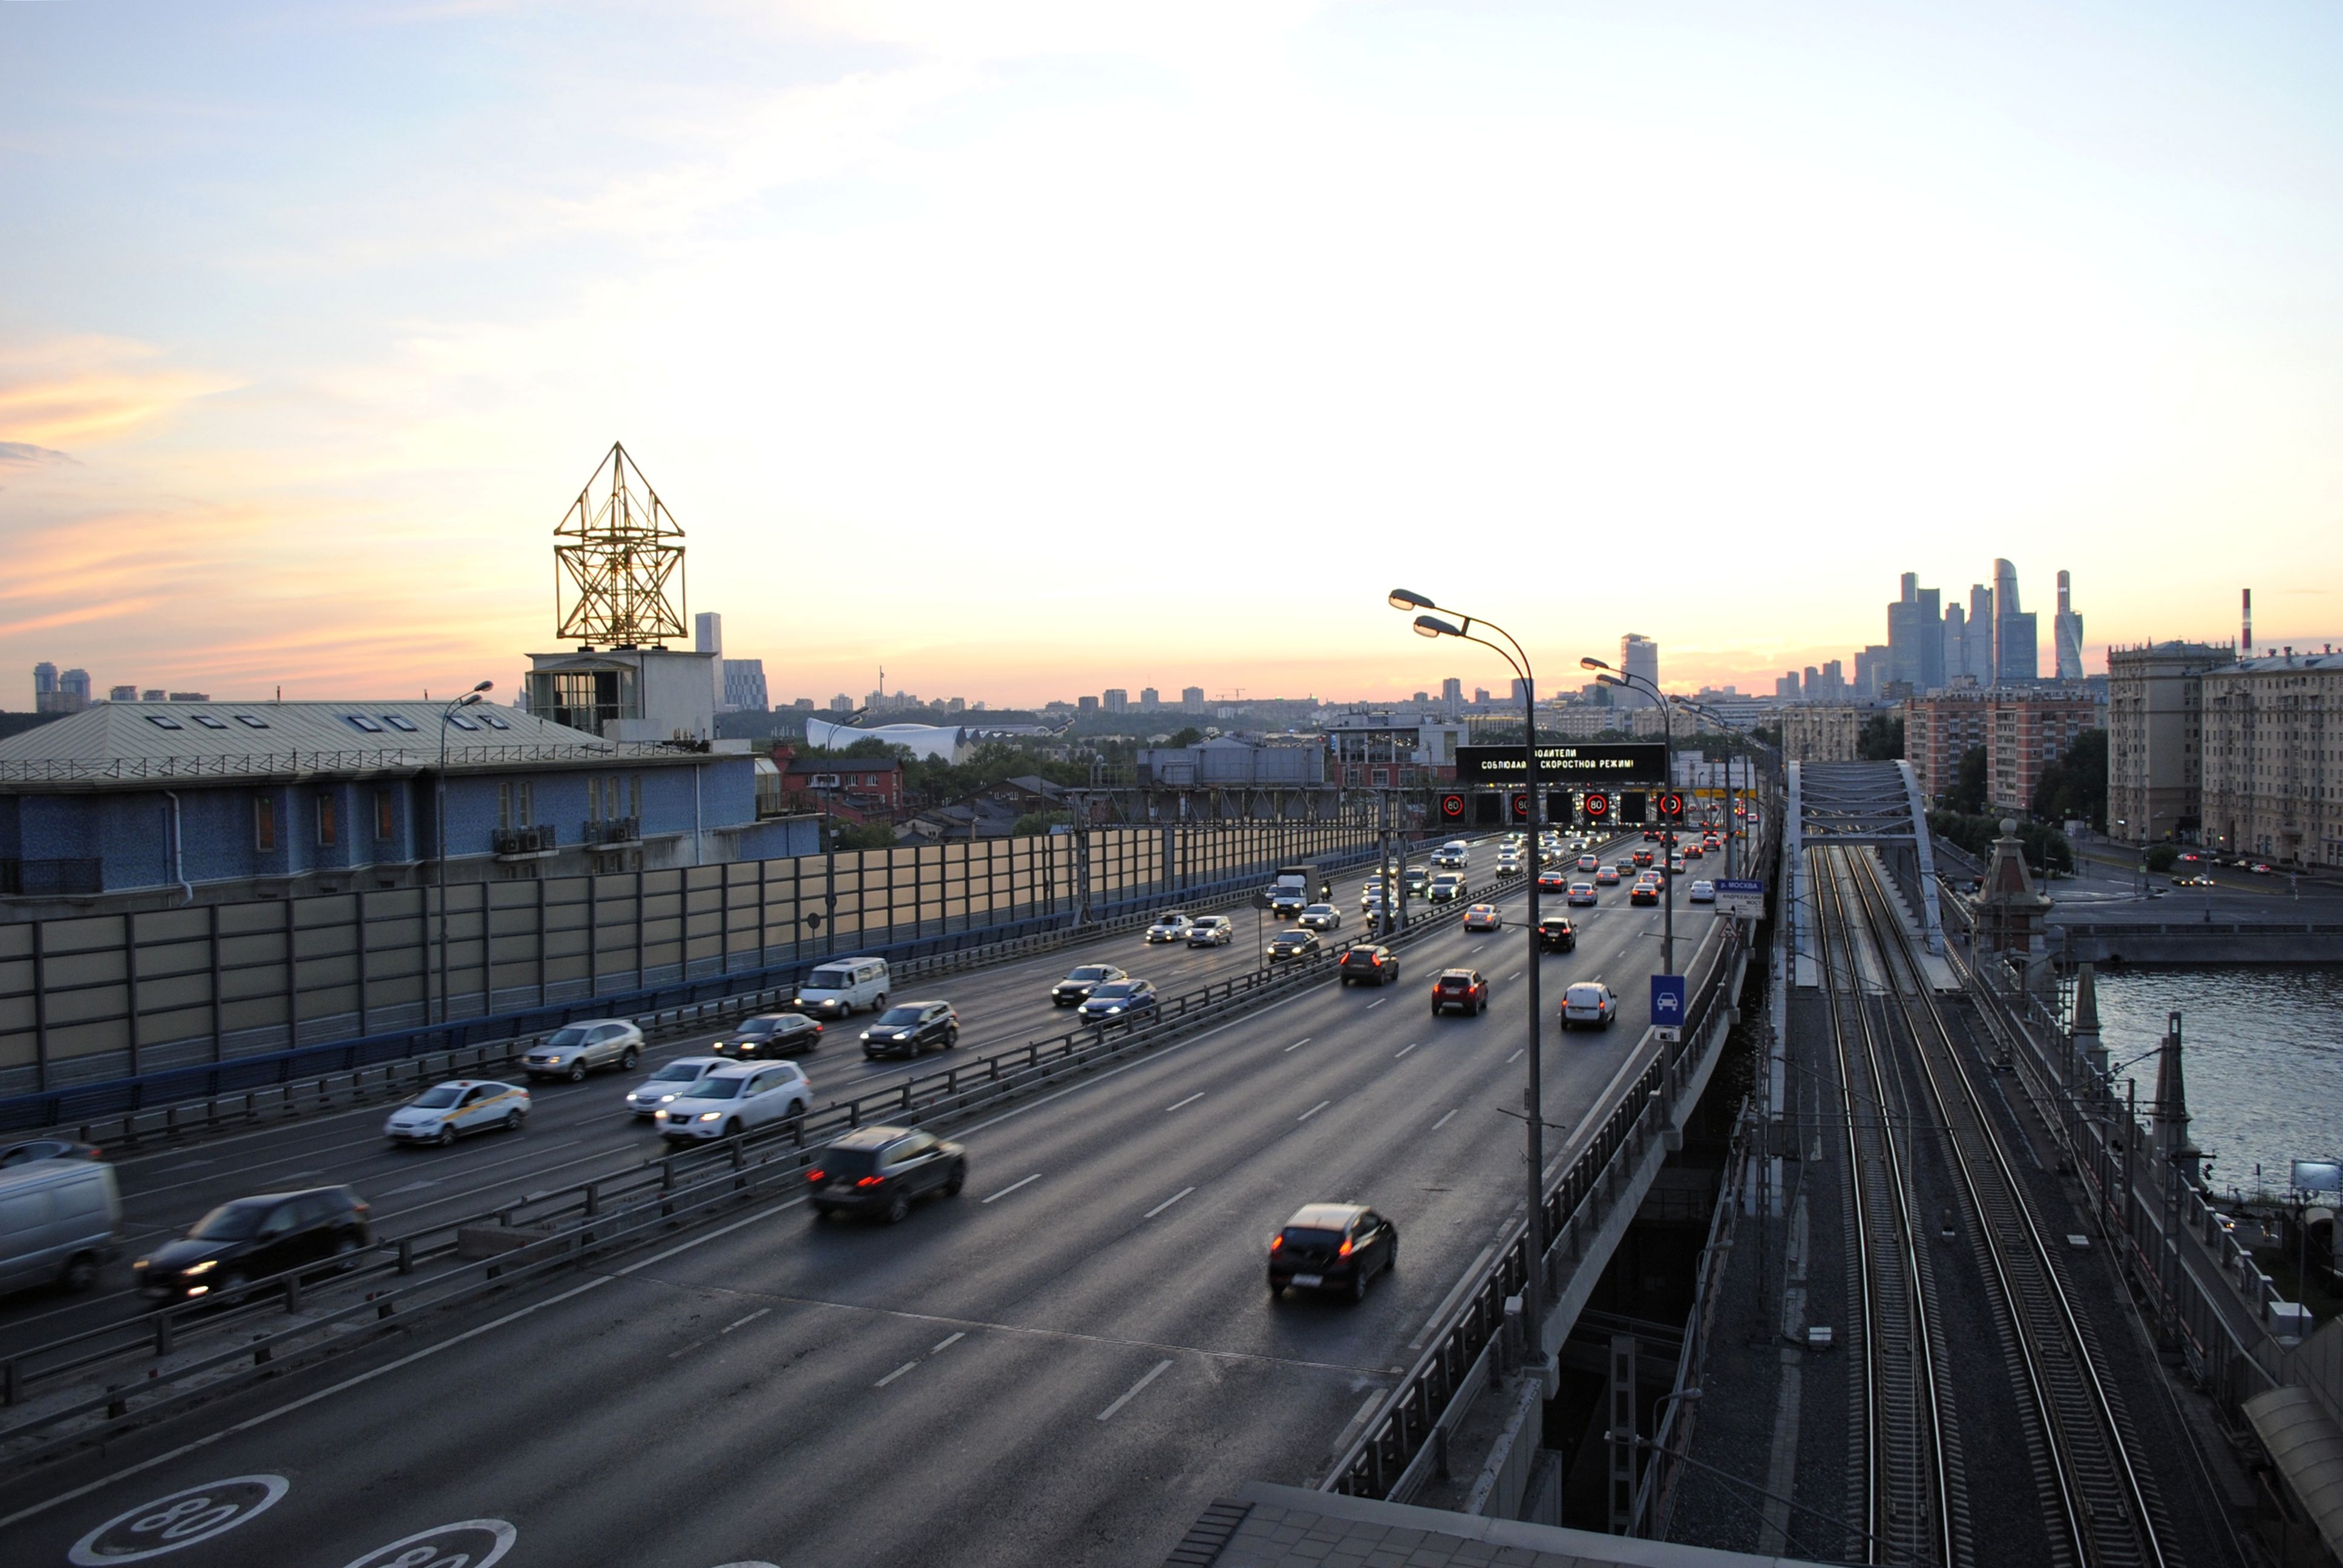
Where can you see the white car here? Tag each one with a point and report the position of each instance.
(676, 1078)
(444, 1111)
(1451, 858)
(1701, 892)
(1169, 929)
(736, 1098)
(1589, 1004)
(1210, 931)
(573, 1051)
(1321, 918)
(1587, 863)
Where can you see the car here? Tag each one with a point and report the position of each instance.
(1642, 858)
(1553, 879)
(1294, 944)
(1450, 858)
(841, 988)
(1415, 878)
(1556, 934)
(1651, 835)
(1625, 868)
(1694, 851)
(247, 1239)
(1076, 988)
(1508, 863)
(663, 1087)
(1372, 906)
(1120, 1000)
(1483, 917)
(909, 1028)
(1367, 963)
(1643, 893)
(769, 1034)
(1589, 1004)
(737, 1098)
(446, 1111)
(882, 1171)
(63, 1222)
(33, 1149)
(1462, 988)
(578, 1049)
(1331, 1247)
(1171, 928)
(1581, 893)
(1675, 865)
(1701, 892)
(1608, 877)
(1321, 918)
(1588, 863)
(2261, 868)
(1210, 931)
(1446, 888)
(1287, 904)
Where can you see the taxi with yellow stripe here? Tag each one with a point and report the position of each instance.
(446, 1111)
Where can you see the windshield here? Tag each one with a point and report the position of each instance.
(1328, 910)
(231, 1221)
(904, 1017)
(724, 1089)
(1293, 936)
(1119, 989)
(678, 1072)
(829, 979)
(447, 1094)
(570, 1037)
(1096, 973)
(757, 1026)
(1295, 1236)
(1581, 996)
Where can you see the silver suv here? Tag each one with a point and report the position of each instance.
(574, 1052)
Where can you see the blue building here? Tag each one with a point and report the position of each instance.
(139, 805)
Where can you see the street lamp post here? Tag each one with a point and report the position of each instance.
(1668, 835)
(440, 822)
(1533, 1276)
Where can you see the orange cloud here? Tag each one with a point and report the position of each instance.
(74, 391)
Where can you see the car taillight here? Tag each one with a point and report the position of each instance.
(1275, 1243)
(1345, 1250)
(362, 1210)
(816, 1175)
(869, 1181)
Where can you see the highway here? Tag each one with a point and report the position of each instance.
(1062, 1364)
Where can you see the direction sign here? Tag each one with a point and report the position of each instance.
(1573, 762)
(1668, 1000)
(1741, 901)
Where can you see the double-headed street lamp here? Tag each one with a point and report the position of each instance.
(439, 820)
(1609, 677)
(1533, 1276)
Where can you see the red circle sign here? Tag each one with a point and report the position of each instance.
(1452, 804)
(1597, 804)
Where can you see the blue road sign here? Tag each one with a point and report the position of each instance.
(1667, 1001)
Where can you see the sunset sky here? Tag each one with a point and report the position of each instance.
(1033, 347)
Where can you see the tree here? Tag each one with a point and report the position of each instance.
(2075, 786)
(1968, 793)
(1037, 824)
(1191, 735)
(1881, 740)
(871, 836)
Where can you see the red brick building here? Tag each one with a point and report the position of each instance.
(2023, 732)
(867, 787)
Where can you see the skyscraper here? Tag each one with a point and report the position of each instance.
(708, 636)
(1148, 698)
(44, 688)
(1116, 699)
(1451, 696)
(1638, 656)
(1955, 636)
(1980, 634)
(2015, 651)
(1191, 700)
(2067, 632)
(1916, 636)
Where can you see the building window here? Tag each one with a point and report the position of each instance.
(635, 795)
(504, 821)
(526, 795)
(386, 818)
(325, 820)
(264, 823)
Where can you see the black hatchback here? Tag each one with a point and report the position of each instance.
(1368, 963)
(880, 1169)
(1332, 1247)
(1556, 934)
(251, 1238)
(909, 1028)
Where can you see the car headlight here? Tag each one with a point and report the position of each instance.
(708, 1115)
(205, 1267)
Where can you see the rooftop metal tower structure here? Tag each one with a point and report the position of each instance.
(619, 553)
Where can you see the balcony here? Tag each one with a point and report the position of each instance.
(50, 878)
(523, 843)
(613, 833)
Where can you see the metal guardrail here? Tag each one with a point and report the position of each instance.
(589, 1216)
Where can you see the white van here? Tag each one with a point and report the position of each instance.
(58, 1220)
(844, 986)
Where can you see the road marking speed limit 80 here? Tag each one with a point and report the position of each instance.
(178, 1520)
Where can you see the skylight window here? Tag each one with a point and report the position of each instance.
(252, 720)
(208, 722)
(493, 722)
(360, 721)
(163, 721)
(398, 722)
(460, 722)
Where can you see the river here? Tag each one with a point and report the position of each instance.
(2262, 1054)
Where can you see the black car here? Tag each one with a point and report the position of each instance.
(1368, 963)
(1292, 944)
(252, 1237)
(1332, 1247)
(880, 1169)
(1556, 934)
(909, 1028)
(770, 1034)
(1076, 988)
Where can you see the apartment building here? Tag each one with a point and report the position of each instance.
(1939, 729)
(2271, 767)
(2026, 731)
(1821, 734)
(2155, 750)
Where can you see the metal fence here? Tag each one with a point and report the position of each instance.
(111, 996)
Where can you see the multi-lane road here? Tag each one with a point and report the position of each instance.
(1061, 1365)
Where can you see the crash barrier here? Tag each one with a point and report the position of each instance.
(172, 1101)
(121, 996)
(584, 1218)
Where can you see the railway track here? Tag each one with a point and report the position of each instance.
(1902, 1485)
(2101, 1513)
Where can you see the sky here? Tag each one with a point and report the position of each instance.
(1036, 346)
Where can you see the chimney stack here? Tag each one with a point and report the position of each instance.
(2247, 648)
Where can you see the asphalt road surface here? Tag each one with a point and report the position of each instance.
(1061, 1365)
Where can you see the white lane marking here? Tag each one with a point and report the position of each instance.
(179, 1520)
(744, 1322)
(1377, 1002)
(1442, 1122)
(1190, 1100)
(1305, 1039)
(1036, 1177)
(949, 1340)
(307, 1400)
(1509, 1062)
(1411, 1047)
(1510, 979)
(907, 1366)
(414, 1186)
(1175, 1199)
(1322, 1105)
(189, 1165)
(500, 1535)
(1134, 1391)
